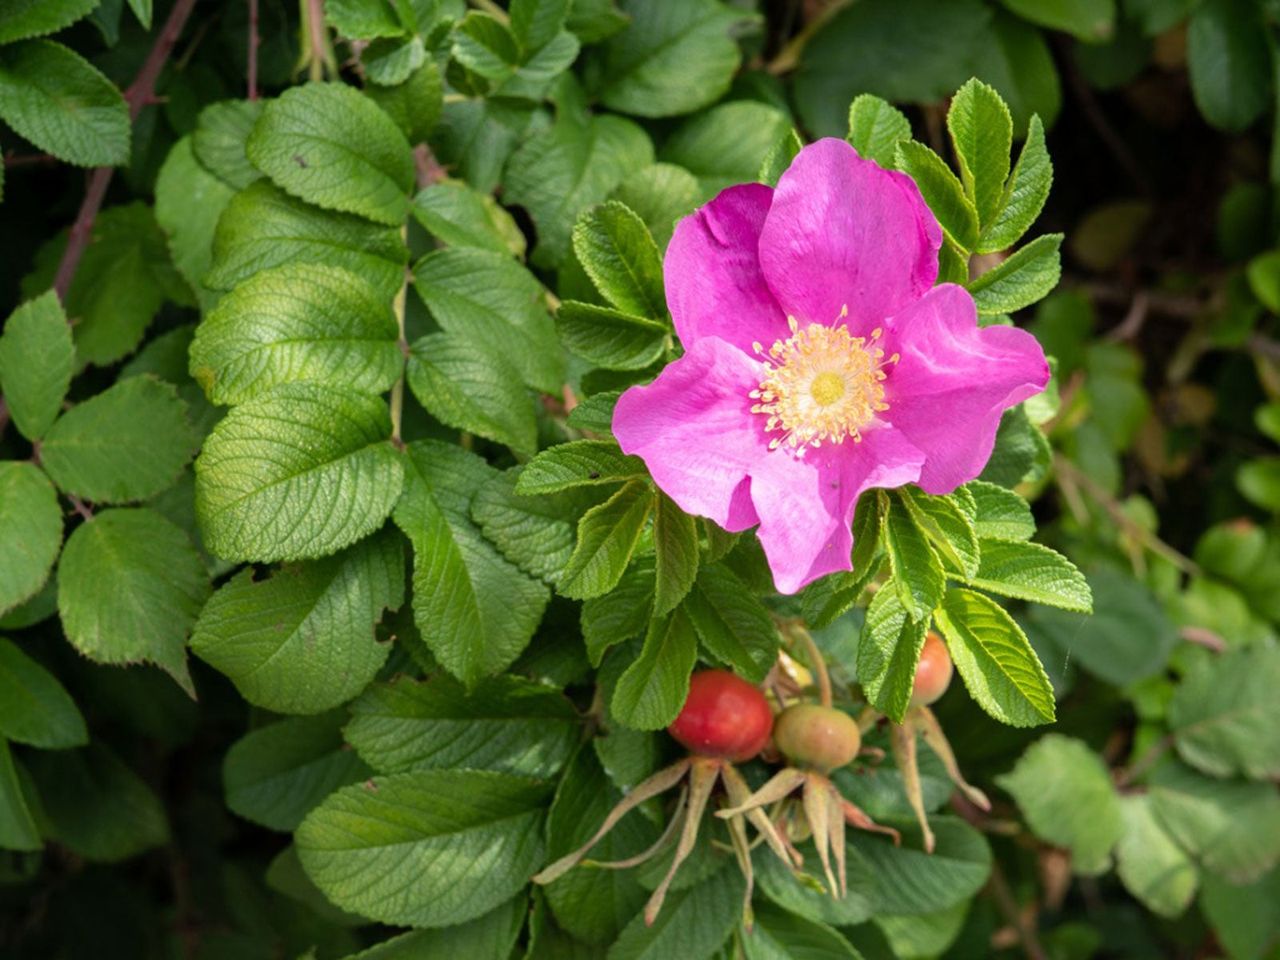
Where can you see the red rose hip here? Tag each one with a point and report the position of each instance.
(933, 675)
(723, 717)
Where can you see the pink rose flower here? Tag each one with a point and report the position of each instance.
(820, 361)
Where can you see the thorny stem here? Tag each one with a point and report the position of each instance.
(140, 93)
(321, 52)
(254, 41)
(1074, 476)
(397, 391)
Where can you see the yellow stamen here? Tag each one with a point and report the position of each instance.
(821, 385)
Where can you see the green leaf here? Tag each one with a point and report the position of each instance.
(505, 723)
(484, 45)
(472, 387)
(1033, 572)
(491, 936)
(727, 144)
(95, 805)
(218, 141)
(475, 138)
(36, 358)
(535, 23)
(1243, 916)
(888, 652)
(1015, 58)
(18, 829)
(693, 925)
(1018, 445)
(578, 463)
(30, 531)
(298, 322)
(948, 528)
(416, 104)
(910, 882)
(780, 935)
(779, 158)
(34, 707)
(1231, 827)
(675, 543)
(622, 613)
(366, 20)
(55, 98)
(913, 51)
(276, 774)
(1024, 194)
(1259, 482)
(128, 443)
(490, 299)
(1151, 865)
(1225, 716)
(123, 278)
(1229, 61)
(917, 573)
(995, 659)
(982, 132)
(303, 639)
(328, 145)
(297, 473)
(189, 202)
(652, 689)
(672, 59)
(476, 610)
(1001, 513)
(557, 174)
(1088, 20)
(594, 414)
(20, 19)
(610, 338)
(264, 227)
(829, 598)
(1025, 277)
(129, 587)
(941, 190)
(607, 536)
(1065, 791)
(594, 905)
(876, 127)
(731, 623)
(536, 533)
(461, 216)
(431, 848)
(389, 62)
(615, 248)
(803, 892)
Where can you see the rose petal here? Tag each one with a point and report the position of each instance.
(806, 505)
(712, 272)
(843, 231)
(954, 380)
(694, 429)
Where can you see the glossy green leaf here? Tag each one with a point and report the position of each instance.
(30, 531)
(297, 473)
(941, 190)
(276, 774)
(473, 388)
(129, 587)
(917, 572)
(615, 248)
(1001, 513)
(297, 322)
(607, 536)
(1024, 278)
(621, 614)
(578, 463)
(727, 144)
(303, 639)
(56, 99)
(505, 723)
(1151, 865)
(909, 881)
(1024, 194)
(475, 609)
(995, 659)
(779, 935)
(536, 533)
(888, 651)
(36, 360)
(982, 133)
(189, 203)
(653, 688)
(20, 19)
(1087, 20)
(675, 543)
(731, 623)
(947, 527)
(218, 141)
(18, 829)
(610, 338)
(461, 216)
(432, 848)
(1031, 571)
(876, 127)
(328, 145)
(1229, 59)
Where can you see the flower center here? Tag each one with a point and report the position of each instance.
(821, 385)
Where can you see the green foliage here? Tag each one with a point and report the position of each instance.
(36, 357)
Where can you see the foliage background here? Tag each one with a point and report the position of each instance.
(1144, 824)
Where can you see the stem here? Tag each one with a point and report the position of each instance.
(4, 416)
(1004, 898)
(80, 507)
(1078, 477)
(817, 664)
(139, 94)
(318, 39)
(254, 41)
(397, 391)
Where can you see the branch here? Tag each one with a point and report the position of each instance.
(140, 93)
